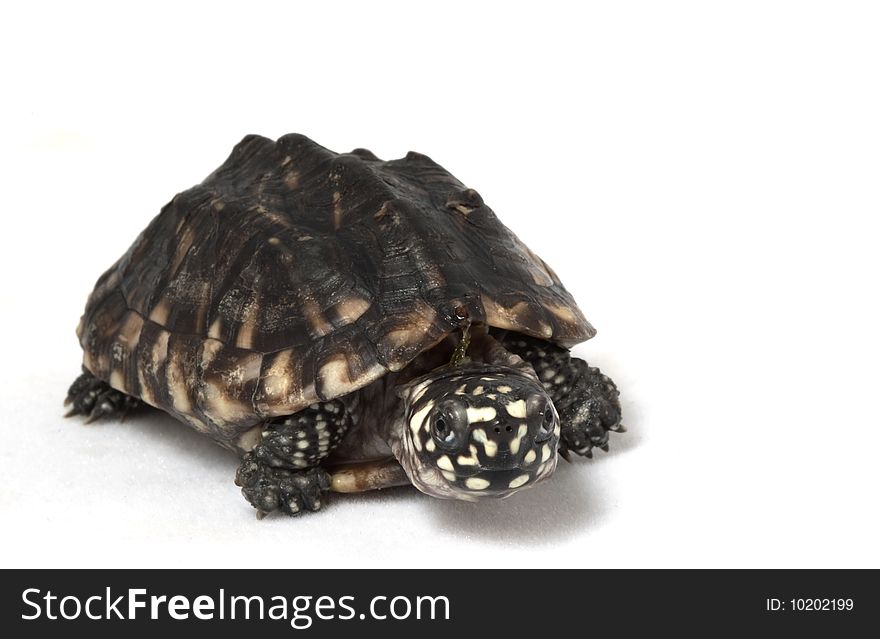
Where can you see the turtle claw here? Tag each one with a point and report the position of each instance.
(103, 406)
(95, 399)
(592, 411)
(269, 488)
(587, 400)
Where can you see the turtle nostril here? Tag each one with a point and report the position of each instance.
(501, 429)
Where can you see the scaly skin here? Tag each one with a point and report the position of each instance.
(282, 472)
(95, 399)
(586, 400)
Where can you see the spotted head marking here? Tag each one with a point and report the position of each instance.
(477, 431)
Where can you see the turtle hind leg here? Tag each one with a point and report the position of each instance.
(283, 471)
(586, 400)
(95, 399)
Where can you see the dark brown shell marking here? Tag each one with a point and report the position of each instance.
(293, 274)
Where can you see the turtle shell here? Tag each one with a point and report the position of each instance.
(294, 274)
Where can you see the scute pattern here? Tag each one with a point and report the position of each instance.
(293, 274)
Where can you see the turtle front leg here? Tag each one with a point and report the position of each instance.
(586, 400)
(283, 471)
(95, 399)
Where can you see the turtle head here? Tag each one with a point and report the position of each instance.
(477, 431)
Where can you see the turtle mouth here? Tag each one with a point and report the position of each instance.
(499, 480)
(499, 483)
(474, 483)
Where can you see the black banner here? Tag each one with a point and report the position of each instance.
(423, 603)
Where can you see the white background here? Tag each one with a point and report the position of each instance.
(702, 176)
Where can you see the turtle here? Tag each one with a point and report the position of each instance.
(344, 324)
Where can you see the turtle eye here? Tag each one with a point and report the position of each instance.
(446, 424)
(548, 422)
(441, 428)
